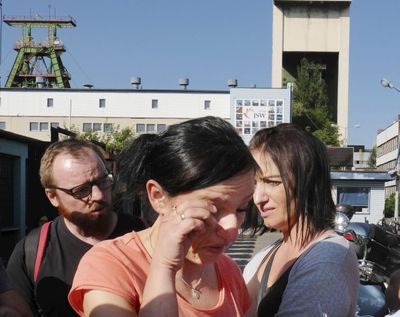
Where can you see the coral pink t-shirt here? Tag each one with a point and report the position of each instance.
(121, 266)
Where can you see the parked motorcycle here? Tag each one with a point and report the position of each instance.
(373, 248)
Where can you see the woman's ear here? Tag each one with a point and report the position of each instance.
(157, 196)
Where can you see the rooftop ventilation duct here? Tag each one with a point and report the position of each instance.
(184, 82)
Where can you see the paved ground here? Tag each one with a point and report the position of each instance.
(265, 239)
(245, 246)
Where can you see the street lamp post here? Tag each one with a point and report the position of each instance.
(396, 171)
(388, 84)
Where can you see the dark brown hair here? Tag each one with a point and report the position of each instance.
(303, 164)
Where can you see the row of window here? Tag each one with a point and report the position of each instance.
(387, 147)
(97, 127)
(94, 126)
(140, 127)
(42, 126)
(50, 103)
(150, 128)
(102, 103)
(35, 126)
(387, 166)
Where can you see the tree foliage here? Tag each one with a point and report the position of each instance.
(115, 140)
(389, 205)
(310, 109)
(372, 158)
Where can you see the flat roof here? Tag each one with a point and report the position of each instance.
(132, 90)
(361, 175)
(19, 137)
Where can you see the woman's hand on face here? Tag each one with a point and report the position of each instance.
(184, 222)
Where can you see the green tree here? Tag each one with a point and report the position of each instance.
(310, 109)
(372, 158)
(118, 139)
(115, 140)
(389, 206)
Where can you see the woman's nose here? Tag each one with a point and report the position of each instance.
(260, 194)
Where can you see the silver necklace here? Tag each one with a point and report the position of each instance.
(194, 291)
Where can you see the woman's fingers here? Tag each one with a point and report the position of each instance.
(200, 209)
(185, 222)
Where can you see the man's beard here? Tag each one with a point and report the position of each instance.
(89, 225)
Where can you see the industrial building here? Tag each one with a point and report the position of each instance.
(33, 111)
(387, 149)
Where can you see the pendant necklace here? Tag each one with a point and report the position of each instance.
(194, 291)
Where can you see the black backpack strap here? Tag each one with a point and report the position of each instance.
(30, 247)
(264, 280)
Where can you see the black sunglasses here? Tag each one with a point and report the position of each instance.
(84, 190)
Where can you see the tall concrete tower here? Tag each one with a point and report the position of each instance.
(320, 31)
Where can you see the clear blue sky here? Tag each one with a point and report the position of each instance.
(211, 41)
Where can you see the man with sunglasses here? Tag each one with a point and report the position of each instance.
(77, 183)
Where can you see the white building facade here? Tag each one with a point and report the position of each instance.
(361, 157)
(387, 145)
(32, 112)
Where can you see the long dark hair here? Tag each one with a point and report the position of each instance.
(191, 155)
(303, 164)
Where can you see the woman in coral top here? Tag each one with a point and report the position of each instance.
(198, 176)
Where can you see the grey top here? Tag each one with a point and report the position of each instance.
(324, 279)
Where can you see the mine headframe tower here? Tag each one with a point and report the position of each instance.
(39, 64)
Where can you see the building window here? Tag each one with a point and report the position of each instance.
(161, 128)
(54, 124)
(358, 197)
(86, 127)
(107, 127)
(207, 104)
(33, 126)
(151, 128)
(50, 102)
(96, 127)
(102, 103)
(2, 125)
(154, 103)
(44, 126)
(140, 128)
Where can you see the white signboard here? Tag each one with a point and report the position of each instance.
(254, 114)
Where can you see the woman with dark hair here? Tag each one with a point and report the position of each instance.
(311, 271)
(198, 176)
